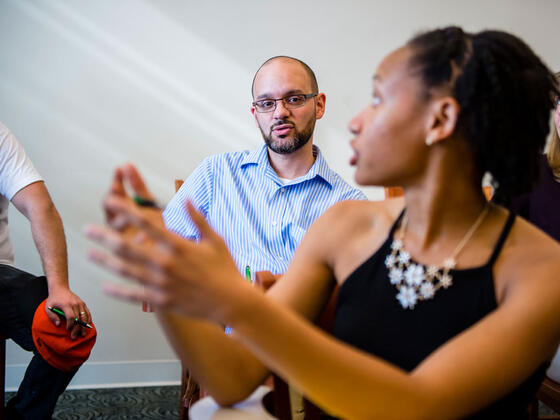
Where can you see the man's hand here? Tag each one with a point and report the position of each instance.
(35, 203)
(72, 306)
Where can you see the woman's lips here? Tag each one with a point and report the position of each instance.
(354, 159)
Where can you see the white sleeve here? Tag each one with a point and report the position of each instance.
(16, 169)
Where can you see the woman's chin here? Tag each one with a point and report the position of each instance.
(363, 179)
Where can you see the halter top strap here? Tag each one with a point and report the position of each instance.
(396, 224)
(502, 238)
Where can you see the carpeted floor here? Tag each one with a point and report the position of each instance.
(161, 402)
(156, 402)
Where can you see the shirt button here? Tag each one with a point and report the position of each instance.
(282, 190)
(274, 223)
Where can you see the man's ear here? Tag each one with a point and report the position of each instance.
(443, 118)
(320, 106)
(254, 112)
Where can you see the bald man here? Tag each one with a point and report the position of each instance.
(263, 201)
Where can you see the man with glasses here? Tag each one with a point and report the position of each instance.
(262, 202)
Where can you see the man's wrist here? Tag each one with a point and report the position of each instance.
(57, 285)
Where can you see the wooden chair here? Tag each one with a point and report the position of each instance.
(549, 391)
(549, 394)
(190, 390)
(391, 192)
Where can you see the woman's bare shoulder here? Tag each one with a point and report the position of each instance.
(356, 213)
(531, 256)
(529, 244)
(350, 231)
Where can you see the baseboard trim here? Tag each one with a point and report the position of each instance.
(112, 374)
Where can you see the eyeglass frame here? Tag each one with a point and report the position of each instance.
(283, 99)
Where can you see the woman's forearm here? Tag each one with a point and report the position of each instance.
(332, 374)
(221, 364)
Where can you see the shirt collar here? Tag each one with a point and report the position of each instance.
(320, 168)
(257, 157)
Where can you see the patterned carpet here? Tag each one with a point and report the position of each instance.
(160, 402)
(156, 402)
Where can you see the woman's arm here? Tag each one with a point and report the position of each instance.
(469, 372)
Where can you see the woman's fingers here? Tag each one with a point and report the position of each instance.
(138, 294)
(119, 243)
(135, 258)
(117, 265)
(128, 293)
(206, 231)
(148, 221)
(117, 185)
(134, 179)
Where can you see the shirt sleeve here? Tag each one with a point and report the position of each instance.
(16, 169)
(198, 189)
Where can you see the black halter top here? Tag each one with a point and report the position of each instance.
(369, 316)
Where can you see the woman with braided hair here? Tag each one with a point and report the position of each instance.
(448, 305)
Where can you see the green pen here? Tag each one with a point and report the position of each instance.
(144, 202)
(63, 316)
(248, 274)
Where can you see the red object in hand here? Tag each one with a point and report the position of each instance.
(55, 345)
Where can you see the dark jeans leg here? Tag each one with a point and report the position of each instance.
(20, 294)
(39, 391)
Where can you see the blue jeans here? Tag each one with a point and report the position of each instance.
(20, 294)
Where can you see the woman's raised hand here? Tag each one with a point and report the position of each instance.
(194, 279)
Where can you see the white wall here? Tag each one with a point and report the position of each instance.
(89, 85)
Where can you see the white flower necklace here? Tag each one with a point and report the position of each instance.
(416, 282)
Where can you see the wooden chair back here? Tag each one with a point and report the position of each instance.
(391, 192)
(549, 394)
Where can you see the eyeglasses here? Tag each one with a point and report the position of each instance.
(290, 102)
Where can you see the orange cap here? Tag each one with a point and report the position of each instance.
(56, 346)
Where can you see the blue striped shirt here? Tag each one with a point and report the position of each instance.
(261, 219)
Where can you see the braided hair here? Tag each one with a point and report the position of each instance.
(505, 94)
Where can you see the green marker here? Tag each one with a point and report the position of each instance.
(248, 274)
(62, 315)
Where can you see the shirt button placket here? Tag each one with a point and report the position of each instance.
(282, 191)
